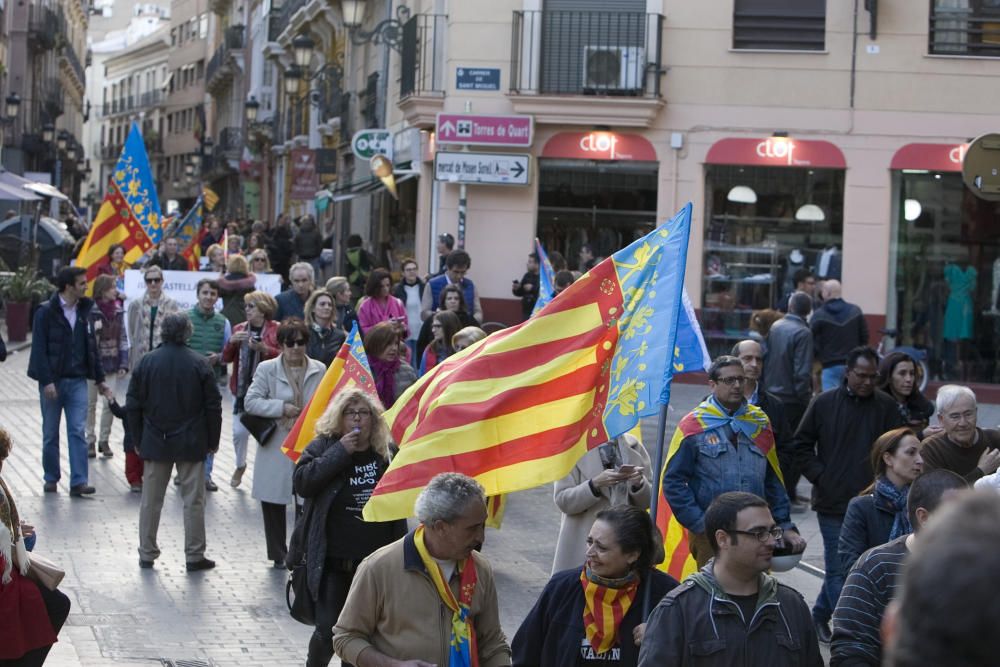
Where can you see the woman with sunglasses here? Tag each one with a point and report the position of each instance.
(280, 389)
(145, 316)
(252, 342)
(259, 262)
(335, 475)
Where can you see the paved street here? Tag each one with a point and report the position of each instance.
(235, 614)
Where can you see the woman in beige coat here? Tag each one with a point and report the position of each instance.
(615, 473)
(280, 389)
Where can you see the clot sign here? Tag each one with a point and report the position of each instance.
(600, 142)
(777, 148)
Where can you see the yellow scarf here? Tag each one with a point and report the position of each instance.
(604, 608)
(463, 651)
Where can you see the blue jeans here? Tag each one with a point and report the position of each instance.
(833, 376)
(829, 528)
(209, 464)
(72, 398)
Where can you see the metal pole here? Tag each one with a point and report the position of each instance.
(462, 192)
(654, 496)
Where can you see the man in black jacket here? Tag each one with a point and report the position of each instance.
(175, 417)
(63, 357)
(833, 448)
(837, 328)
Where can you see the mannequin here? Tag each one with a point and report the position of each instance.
(958, 313)
(828, 267)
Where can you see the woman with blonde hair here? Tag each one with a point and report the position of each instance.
(336, 474)
(252, 342)
(216, 259)
(325, 337)
(260, 262)
(234, 286)
(340, 290)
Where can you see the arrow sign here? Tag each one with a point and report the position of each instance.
(482, 168)
(483, 130)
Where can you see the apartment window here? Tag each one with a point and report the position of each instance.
(780, 25)
(203, 29)
(173, 37)
(200, 70)
(965, 28)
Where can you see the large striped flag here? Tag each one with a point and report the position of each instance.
(519, 408)
(349, 369)
(546, 278)
(210, 197)
(678, 562)
(130, 213)
(189, 232)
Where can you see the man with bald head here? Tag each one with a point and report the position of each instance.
(837, 327)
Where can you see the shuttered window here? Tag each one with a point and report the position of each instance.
(781, 25)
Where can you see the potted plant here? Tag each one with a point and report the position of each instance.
(19, 289)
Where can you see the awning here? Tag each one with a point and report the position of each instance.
(364, 188)
(776, 152)
(599, 145)
(930, 157)
(19, 188)
(10, 193)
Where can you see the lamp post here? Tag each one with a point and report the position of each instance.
(387, 31)
(10, 115)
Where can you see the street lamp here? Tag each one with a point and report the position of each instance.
(388, 31)
(188, 169)
(195, 159)
(71, 153)
(293, 75)
(303, 46)
(353, 12)
(13, 106)
(176, 184)
(48, 131)
(62, 140)
(251, 107)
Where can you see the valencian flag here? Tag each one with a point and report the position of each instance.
(349, 369)
(546, 278)
(189, 233)
(519, 408)
(130, 214)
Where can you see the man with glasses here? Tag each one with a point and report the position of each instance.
(723, 446)
(833, 450)
(733, 611)
(962, 447)
(145, 316)
(457, 263)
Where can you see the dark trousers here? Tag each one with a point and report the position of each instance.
(332, 595)
(57, 607)
(833, 582)
(789, 469)
(275, 530)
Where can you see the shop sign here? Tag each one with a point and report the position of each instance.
(482, 168)
(930, 157)
(366, 144)
(599, 145)
(776, 152)
(326, 163)
(305, 180)
(472, 129)
(477, 78)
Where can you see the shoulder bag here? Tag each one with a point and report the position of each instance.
(261, 428)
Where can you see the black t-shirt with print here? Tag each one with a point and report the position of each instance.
(348, 535)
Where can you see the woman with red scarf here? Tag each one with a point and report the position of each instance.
(392, 375)
(593, 615)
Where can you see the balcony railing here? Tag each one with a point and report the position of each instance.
(220, 68)
(274, 25)
(586, 53)
(70, 56)
(43, 27)
(51, 94)
(964, 31)
(234, 37)
(150, 99)
(288, 11)
(229, 145)
(422, 55)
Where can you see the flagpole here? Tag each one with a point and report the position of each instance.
(654, 496)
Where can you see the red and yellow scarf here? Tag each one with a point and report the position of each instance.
(463, 651)
(604, 607)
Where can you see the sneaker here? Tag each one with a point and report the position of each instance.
(91, 450)
(105, 449)
(81, 490)
(135, 488)
(237, 476)
(198, 565)
(210, 485)
(50, 487)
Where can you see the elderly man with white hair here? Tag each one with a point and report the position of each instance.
(430, 597)
(962, 447)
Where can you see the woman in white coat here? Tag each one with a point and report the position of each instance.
(615, 473)
(280, 389)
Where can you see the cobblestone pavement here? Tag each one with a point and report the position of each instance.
(235, 614)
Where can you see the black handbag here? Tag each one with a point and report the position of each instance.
(261, 428)
(301, 606)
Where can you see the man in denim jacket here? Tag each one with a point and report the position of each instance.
(725, 444)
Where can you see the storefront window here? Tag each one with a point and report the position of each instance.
(762, 225)
(394, 229)
(606, 205)
(944, 290)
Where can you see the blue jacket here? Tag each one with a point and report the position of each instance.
(552, 632)
(53, 344)
(290, 304)
(468, 291)
(708, 464)
(867, 524)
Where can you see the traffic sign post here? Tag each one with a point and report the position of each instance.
(482, 168)
(478, 130)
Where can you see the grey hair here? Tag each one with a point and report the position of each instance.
(949, 394)
(176, 328)
(446, 496)
(303, 266)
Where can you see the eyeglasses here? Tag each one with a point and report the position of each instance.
(299, 342)
(153, 281)
(362, 412)
(732, 380)
(762, 533)
(260, 259)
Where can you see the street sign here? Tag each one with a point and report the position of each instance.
(482, 168)
(477, 78)
(472, 129)
(366, 144)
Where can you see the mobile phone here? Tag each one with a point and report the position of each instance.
(629, 469)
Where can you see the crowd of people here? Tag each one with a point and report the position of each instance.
(805, 397)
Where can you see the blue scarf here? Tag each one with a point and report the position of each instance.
(893, 500)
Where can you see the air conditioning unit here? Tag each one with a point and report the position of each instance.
(613, 67)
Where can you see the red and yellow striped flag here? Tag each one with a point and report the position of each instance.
(518, 409)
(679, 562)
(349, 369)
(130, 214)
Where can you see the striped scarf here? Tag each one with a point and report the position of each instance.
(463, 651)
(606, 602)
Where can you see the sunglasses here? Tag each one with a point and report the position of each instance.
(296, 343)
(153, 281)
